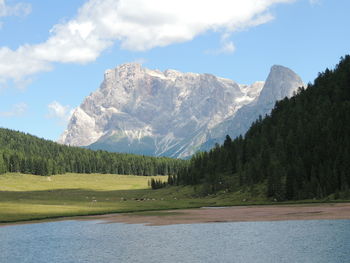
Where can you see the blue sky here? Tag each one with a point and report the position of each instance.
(54, 53)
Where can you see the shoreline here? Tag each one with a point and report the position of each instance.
(234, 214)
(249, 213)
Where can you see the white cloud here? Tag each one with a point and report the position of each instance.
(227, 47)
(17, 110)
(135, 25)
(19, 9)
(315, 2)
(59, 112)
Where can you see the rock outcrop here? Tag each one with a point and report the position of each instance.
(143, 111)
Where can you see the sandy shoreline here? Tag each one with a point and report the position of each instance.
(232, 214)
(320, 211)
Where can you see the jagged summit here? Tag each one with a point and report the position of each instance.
(280, 83)
(170, 113)
(134, 69)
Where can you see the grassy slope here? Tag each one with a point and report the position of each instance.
(28, 197)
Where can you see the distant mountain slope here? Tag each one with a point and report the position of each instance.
(143, 111)
(20, 152)
(281, 82)
(300, 151)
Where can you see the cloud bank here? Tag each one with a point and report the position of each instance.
(136, 25)
(16, 111)
(19, 9)
(59, 112)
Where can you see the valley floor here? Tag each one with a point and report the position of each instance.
(30, 197)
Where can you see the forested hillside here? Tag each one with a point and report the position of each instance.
(25, 153)
(301, 150)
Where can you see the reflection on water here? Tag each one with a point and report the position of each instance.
(90, 241)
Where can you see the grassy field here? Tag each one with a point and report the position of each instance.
(29, 197)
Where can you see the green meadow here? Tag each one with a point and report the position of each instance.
(30, 197)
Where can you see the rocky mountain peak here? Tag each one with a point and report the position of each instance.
(170, 113)
(132, 67)
(281, 82)
(171, 73)
(129, 71)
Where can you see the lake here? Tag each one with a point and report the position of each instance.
(96, 242)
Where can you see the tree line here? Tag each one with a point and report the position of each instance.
(300, 151)
(20, 152)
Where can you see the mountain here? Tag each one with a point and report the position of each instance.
(170, 113)
(281, 82)
(300, 151)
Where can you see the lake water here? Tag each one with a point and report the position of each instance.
(90, 241)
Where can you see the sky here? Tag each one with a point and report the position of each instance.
(54, 53)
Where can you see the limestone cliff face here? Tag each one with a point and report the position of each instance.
(280, 83)
(138, 110)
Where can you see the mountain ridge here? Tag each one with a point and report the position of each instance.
(300, 151)
(275, 89)
(169, 113)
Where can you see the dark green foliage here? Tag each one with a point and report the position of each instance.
(25, 153)
(301, 150)
(156, 183)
